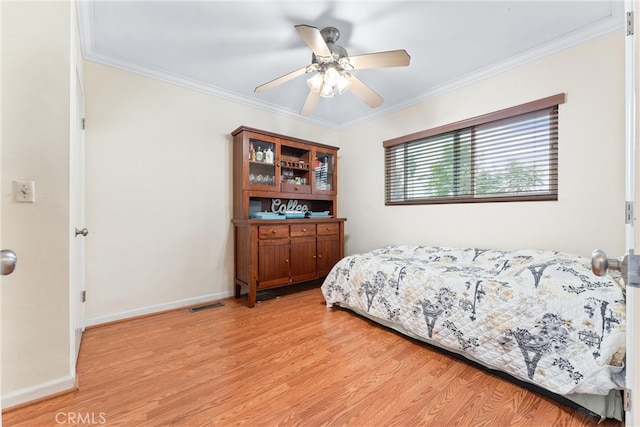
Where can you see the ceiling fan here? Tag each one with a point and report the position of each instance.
(333, 65)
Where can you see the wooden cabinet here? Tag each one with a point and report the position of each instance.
(272, 175)
(293, 251)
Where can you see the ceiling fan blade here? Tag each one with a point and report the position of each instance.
(310, 103)
(280, 80)
(392, 58)
(364, 92)
(313, 38)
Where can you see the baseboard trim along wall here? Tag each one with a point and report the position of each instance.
(39, 391)
(95, 321)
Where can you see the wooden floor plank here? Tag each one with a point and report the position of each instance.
(288, 361)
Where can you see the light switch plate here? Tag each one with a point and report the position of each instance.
(25, 191)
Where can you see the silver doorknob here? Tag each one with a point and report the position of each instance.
(628, 265)
(600, 263)
(84, 232)
(8, 261)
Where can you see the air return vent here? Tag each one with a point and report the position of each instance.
(205, 307)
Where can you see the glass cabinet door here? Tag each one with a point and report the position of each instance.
(324, 172)
(262, 164)
(294, 169)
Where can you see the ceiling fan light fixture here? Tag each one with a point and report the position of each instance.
(329, 81)
(344, 84)
(327, 91)
(331, 75)
(315, 82)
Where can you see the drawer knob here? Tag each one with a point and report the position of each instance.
(273, 231)
(304, 229)
(319, 256)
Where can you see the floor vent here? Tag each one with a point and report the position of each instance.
(205, 307)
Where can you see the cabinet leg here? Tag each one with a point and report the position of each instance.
(252, 295)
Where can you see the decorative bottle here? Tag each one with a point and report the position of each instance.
(268, 155)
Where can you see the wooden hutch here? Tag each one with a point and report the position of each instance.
(286, 228)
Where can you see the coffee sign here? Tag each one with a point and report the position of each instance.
(278, 206)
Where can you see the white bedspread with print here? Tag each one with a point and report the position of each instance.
(541, 316)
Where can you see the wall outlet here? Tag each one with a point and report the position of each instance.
(25, 191)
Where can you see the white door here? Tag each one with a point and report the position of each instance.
(632, 193)
(78, 230)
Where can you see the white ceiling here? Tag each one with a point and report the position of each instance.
(227, 48)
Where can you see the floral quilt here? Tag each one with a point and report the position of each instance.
(541, 316)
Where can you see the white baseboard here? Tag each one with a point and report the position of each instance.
(94, 321)
(37, 391)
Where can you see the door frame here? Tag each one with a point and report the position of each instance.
(0, 204)
(77, 274)
(632, 191)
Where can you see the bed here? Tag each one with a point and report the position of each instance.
(541, 317)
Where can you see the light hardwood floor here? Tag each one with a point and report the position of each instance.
(288, 361)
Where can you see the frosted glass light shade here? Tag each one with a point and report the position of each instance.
(327, 91)
(344, 84)
(331, 76)
(315, 82)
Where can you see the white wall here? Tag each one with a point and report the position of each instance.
(35, 146)
(589, 212)
(159, 202)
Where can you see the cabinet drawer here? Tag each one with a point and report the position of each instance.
(301, 230)
(329, 228)
(273, 231)
(295, 188)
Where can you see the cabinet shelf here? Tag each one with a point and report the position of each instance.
(297, 168)
(256, 162)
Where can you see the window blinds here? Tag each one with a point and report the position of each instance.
(505, 157)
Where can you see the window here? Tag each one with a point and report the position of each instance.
(508, 155)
